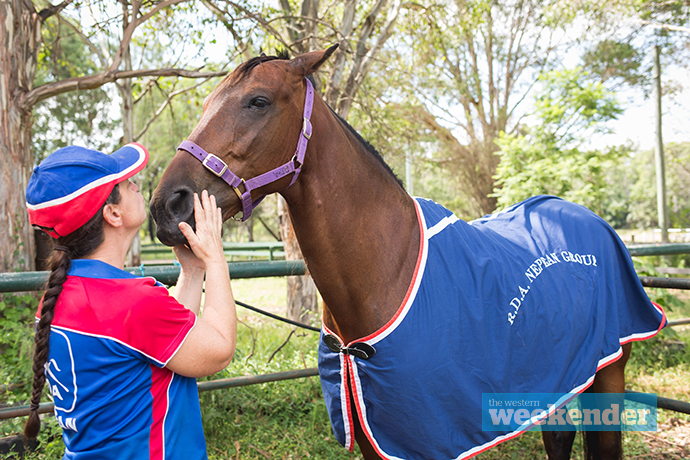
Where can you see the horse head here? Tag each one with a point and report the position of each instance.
(251, 124)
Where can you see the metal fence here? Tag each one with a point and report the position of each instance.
(168, 274)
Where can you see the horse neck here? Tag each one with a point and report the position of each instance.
(357, 229)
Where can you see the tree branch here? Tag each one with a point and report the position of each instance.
(53, 10)
(85, 39)
(220, 14)
(165, 103)
(95, 81)
(658, 25)
(282, 345)
(262, 21)
(155, 10)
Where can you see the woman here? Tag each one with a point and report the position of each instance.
(119, 353)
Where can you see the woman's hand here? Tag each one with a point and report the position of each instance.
(188, 261)
(210, 345)
(206, 242)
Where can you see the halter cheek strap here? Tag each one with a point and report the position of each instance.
(218, 167)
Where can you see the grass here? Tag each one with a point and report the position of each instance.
(288, 420)
(277, 422)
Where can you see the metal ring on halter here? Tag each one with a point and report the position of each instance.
(237, 191)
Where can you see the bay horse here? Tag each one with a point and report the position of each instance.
(370, 246)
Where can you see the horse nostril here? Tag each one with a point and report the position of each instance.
(180, 206)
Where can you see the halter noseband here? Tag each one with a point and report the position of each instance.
(220, 169)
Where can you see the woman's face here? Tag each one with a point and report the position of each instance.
(132, 204)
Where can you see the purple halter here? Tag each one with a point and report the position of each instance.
(220, 169)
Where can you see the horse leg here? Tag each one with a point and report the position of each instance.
(607, 445)
(558, 444)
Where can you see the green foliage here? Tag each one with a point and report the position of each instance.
(610, 59)
(16, 359)
(546, 159)
(572, 106)
(665, 350)
(77, 117)
(16, 346)
(641, 177)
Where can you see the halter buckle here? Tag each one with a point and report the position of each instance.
(213, 167)
(306, 128)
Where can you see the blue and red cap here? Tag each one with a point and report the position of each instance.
(69, 187)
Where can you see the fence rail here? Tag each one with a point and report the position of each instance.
(166, 274)
(32, 281)
(658, 249)
(264, 249)
(44, 408)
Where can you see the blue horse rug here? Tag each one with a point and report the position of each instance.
(534, 299)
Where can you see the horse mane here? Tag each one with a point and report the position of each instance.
(368, 147)
(247, 66)
(282, 54)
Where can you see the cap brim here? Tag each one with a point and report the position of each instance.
(131, 159)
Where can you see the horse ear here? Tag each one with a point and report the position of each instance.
(308, 63)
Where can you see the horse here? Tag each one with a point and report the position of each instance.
(370, 248)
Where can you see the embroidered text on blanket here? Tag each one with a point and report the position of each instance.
(535, 269)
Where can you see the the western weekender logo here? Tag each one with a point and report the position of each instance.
(558, 412)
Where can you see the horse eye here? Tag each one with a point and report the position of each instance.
(259, 103)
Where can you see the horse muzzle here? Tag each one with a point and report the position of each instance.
(168, 210)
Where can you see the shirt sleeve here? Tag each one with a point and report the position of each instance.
(157, 324)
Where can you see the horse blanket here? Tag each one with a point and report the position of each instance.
(534, 299)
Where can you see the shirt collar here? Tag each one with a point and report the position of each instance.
(91, 268)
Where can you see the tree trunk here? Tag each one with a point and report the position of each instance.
(20, 37)
(302, 302)
(134, 253)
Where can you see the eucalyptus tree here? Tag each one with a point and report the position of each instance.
(469, 66)
(550, 156)
(21, 27)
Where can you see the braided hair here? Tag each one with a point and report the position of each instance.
(76, 245)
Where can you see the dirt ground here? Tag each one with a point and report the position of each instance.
(671, 441)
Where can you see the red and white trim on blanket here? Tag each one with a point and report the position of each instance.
(349, 377)
(348, 368)
(612, 358)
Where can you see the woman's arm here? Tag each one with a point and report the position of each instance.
(190, 284)
(210, 345)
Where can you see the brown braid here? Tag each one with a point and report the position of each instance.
(76, 245)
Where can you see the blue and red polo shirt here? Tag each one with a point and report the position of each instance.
(111, 337)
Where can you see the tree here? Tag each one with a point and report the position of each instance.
(469, 65)
(21, 44)
(642, 182)
(546, 158)
(72, 117)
